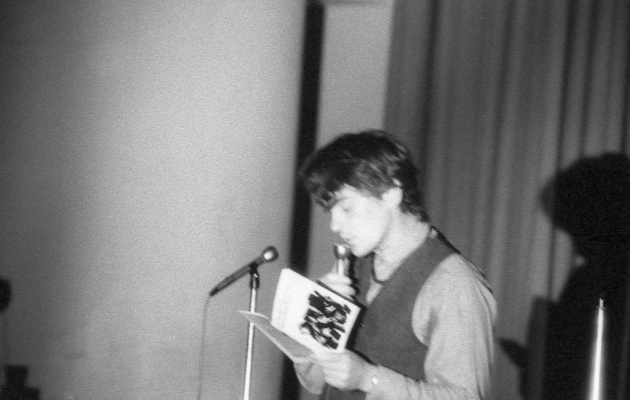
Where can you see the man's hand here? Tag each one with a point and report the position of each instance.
(346, 370)
(339, 283)
(310, 376)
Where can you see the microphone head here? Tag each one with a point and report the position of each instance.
(269, 254)
(341, 251)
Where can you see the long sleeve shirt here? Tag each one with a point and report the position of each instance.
(454, 317)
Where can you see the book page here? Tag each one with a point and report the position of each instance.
(294, 350)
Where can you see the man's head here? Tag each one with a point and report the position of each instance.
(370, 161)
(365, 180)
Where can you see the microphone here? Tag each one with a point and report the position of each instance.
(268, 255)
(342, 265)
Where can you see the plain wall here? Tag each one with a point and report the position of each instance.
(147, 151)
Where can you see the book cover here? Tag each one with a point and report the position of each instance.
(306, 316)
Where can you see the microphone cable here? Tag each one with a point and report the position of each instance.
(202, 349)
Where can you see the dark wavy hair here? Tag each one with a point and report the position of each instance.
(372, 161)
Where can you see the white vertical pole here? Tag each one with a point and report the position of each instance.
(597, 360)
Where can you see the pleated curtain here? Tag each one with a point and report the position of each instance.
(498, 98)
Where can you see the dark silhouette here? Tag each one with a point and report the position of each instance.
(591, 202)
(5, 294)
(14, 387)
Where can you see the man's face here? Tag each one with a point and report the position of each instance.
(360, 219)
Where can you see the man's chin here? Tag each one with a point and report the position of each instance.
(358, 252)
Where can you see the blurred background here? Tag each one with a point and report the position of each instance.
(148, 149)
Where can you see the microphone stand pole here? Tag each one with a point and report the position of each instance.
(254, 284)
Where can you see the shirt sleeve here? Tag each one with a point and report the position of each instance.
(454, 317)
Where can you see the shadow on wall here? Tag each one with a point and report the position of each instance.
(591, 202)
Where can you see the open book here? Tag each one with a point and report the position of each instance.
(307, 317)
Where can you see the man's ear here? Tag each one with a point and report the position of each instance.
(393, 196)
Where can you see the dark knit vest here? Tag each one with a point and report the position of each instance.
(385, 335)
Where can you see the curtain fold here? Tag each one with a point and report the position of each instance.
(498, 98)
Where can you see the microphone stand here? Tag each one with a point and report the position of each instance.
(254, 284)
(268, 255)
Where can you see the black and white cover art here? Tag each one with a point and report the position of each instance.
(325, 320)
(313, 315)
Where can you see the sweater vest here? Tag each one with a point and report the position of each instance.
(385, 335)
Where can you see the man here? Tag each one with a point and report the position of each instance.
(427, 332)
